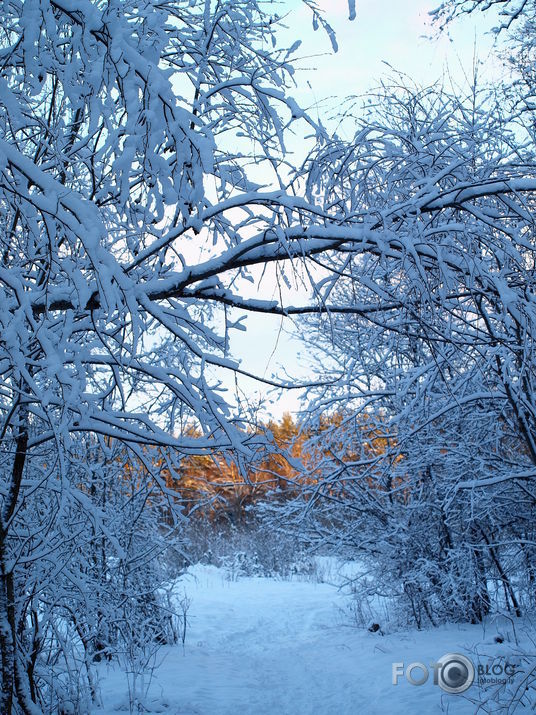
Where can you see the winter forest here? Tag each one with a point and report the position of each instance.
(169, 541)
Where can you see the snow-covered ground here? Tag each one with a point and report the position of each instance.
(263, 646)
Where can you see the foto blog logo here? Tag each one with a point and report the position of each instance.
(453, 673)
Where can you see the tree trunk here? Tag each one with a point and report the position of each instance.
(7, 648)
(14, 685)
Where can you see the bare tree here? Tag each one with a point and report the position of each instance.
(426, 346)
(143, 173)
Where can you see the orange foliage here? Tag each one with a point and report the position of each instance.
(214, 486)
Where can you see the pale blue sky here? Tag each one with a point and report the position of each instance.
(393, 31)
(385, 31)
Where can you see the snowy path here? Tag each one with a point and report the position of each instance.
(264, 647)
